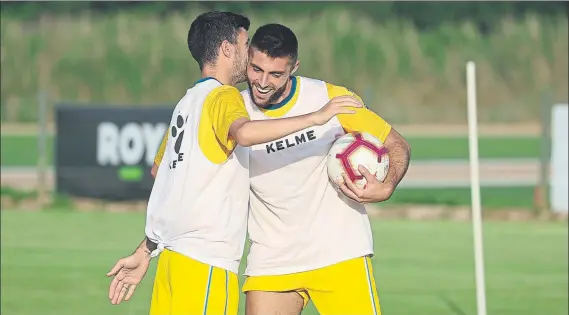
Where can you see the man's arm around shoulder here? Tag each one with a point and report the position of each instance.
(248, 132)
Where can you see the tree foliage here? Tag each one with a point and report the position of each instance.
(424, 15)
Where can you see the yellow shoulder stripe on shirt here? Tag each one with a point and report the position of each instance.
(162, 148)
(223, 106)
(364, 120)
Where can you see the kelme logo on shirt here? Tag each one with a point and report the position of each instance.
(290, 141)
(177, 135)
(128, 146)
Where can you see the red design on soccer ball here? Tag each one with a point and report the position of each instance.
(344, 157)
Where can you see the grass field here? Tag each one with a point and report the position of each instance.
(54, 263)
(493, 198)
(22, 150)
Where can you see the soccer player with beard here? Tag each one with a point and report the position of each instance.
(198, 207)
(307, 240)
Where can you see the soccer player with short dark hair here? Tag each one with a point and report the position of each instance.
(197, 210)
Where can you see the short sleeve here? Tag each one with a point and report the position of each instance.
(224, 107)
(364, 120)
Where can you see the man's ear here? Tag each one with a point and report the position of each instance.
(226, 48)
(295, 67)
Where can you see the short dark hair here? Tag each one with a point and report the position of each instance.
(209, 30)
(276, 41)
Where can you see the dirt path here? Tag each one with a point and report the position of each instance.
(441, 174)
(426, 130)
(435, 174)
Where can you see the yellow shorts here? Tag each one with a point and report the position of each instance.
(184, 286)
(347, 287)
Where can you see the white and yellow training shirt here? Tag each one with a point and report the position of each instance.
(297, 220)
(199, 201)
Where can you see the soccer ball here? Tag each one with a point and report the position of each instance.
(354, 149)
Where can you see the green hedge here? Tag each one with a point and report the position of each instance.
(423, 14)
(405, 74)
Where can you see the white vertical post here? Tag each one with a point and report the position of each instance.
(559, 158)
(475, 187)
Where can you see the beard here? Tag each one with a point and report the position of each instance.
(271, 100)
(239, 70)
